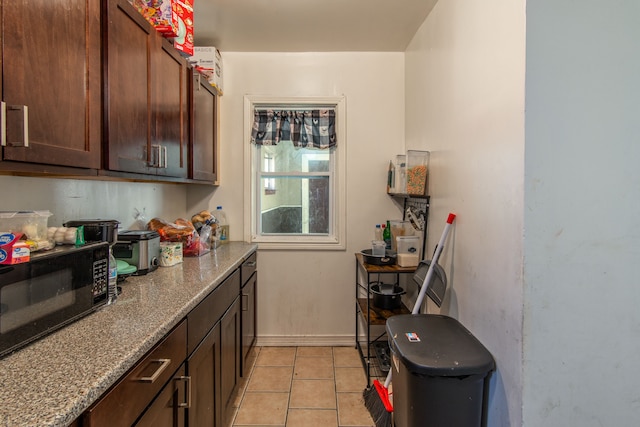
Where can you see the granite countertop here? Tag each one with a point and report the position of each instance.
(52, 381)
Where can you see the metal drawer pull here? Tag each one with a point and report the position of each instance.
(155, 156)
(25, 125)
(164, 363)
(187, 386)
(3, 124)
(250, 264)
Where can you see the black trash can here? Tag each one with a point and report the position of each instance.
(440, 372)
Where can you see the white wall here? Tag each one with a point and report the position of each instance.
(69, 199)
(582, 214)
(465, 104)
(307, 296)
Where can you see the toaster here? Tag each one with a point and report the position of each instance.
(140, 248)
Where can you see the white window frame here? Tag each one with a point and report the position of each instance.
(336, 239)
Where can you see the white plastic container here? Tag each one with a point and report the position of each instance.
(408, 251)
(170, 253)
(378, 248)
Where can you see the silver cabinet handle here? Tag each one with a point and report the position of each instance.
(25, 125)
(155, 156)
(187, 398)
(164, 363)
(3, 124)
(250, 264)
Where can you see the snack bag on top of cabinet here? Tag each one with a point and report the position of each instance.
(161, 13)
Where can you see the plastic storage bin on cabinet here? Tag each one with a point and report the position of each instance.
(440, 380)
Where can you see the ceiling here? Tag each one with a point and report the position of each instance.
(308, 26)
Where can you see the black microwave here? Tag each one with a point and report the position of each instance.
(50, 291)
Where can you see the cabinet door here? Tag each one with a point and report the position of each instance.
(170, 114)
(203, 367)
(248, 320)
(51, 82)
(146, 102)
(204, 124)
(168, 409)
(132, 394)
(129, 41)
(230, 358)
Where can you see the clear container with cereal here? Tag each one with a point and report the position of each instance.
(417, 172)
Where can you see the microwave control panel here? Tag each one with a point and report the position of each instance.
(100, 277)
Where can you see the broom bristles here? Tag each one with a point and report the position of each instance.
(376, 400)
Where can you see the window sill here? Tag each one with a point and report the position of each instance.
(280, 244)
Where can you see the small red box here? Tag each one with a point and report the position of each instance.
(183, 41)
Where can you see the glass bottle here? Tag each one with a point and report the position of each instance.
(386, 236)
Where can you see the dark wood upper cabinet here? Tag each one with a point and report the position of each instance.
(204, 127)
(145, 96)
(50, 62)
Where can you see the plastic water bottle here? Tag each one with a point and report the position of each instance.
(378, 233)
(223, 225)
(112, 284)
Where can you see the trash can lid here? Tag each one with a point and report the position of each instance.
(437, 345)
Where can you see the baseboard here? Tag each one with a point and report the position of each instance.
(305, 341)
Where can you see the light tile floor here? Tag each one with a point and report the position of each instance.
(303, 386)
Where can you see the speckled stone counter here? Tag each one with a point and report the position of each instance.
(52, 381)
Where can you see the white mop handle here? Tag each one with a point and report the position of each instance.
(434, 261)
(423, 289)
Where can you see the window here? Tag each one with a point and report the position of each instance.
(296, 195)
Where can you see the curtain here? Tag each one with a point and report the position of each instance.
(307, 129)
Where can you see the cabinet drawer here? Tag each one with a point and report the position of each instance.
(202, 318)
(249, 267)
(125, 401)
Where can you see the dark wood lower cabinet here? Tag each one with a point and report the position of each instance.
(204, 370)
(169, 408)
(230, 359)
(214, 369)
(190, 378)
(130, 397)
(248, 320)
(249, 278)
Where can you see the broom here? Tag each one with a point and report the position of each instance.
(376, 398)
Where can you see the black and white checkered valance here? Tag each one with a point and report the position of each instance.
(307, 129)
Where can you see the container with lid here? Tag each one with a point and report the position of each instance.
(401, 174)
(31, 223)
(408, 250)
(417, 172)
(440, 372)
